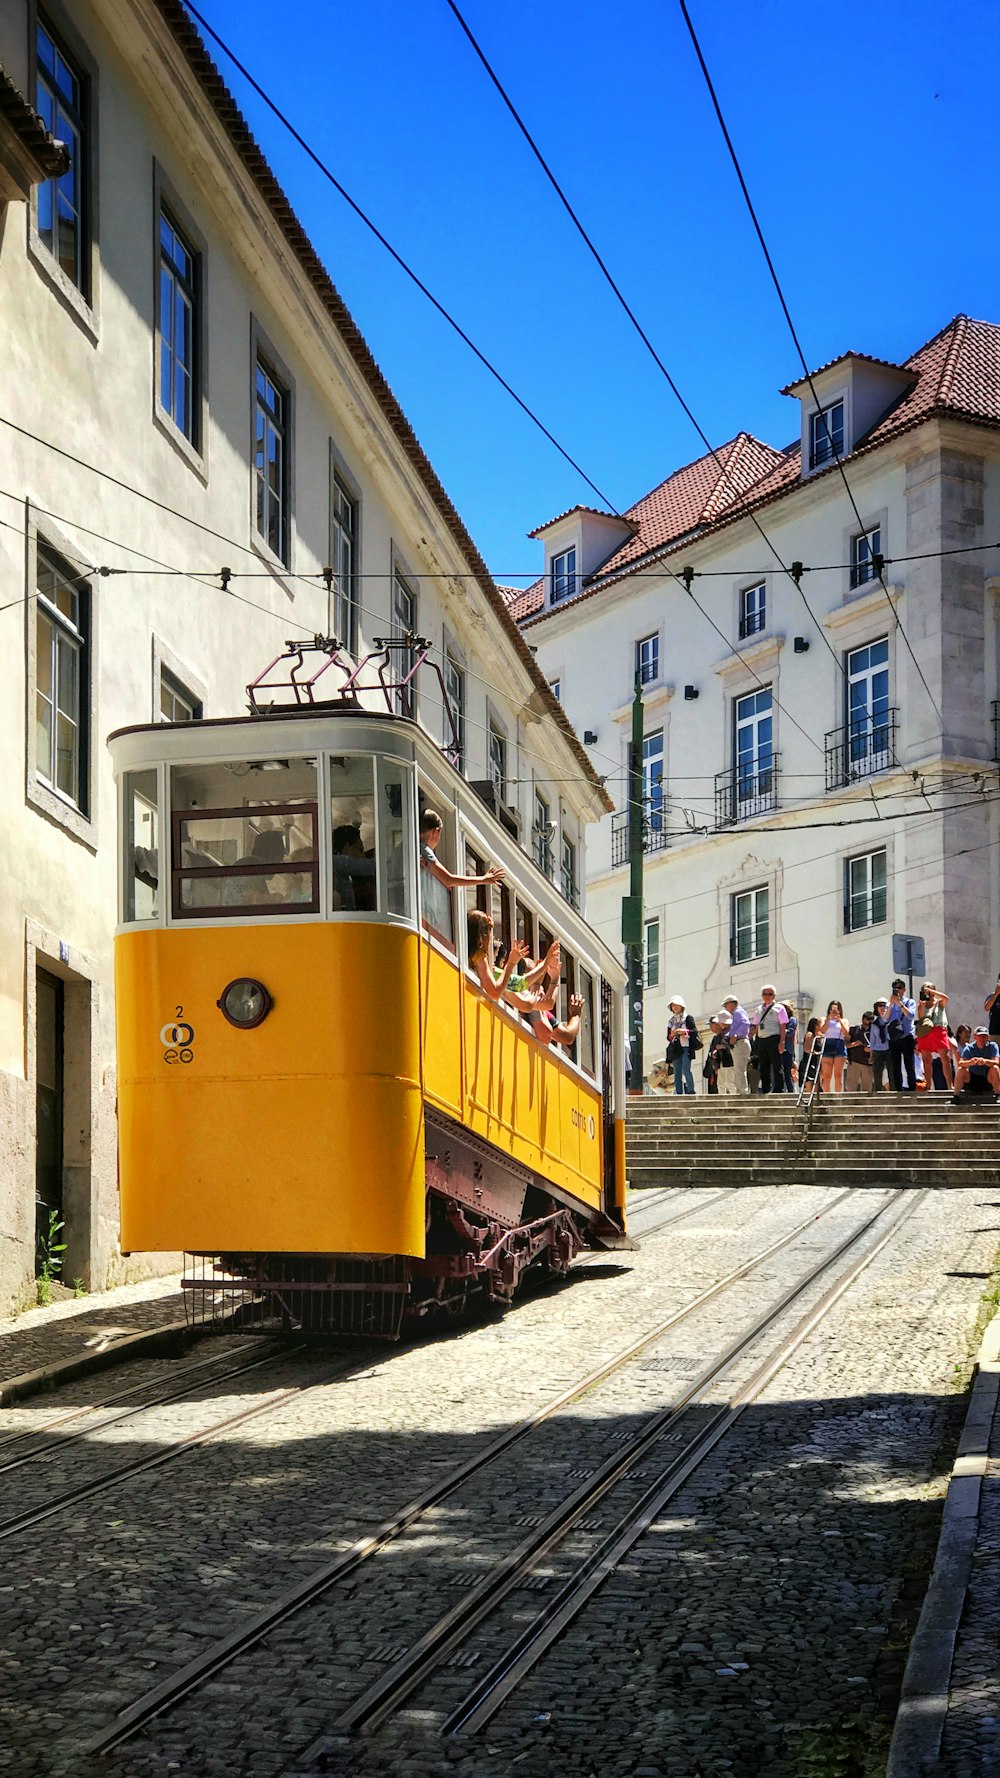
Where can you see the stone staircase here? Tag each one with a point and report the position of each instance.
(843, 1139)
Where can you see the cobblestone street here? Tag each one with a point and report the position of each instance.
(757, 1625)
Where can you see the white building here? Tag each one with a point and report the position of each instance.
(185, 402)
(819, 766)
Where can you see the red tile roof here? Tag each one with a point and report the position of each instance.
(597, 511)
(841, 358)
(957, 373)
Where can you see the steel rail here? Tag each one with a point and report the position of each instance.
(202, 1668)
(483, 1702)
(387, 1693)
(97, 1407)
(85, 1490)
(666, 1222)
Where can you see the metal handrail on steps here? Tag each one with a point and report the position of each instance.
(809, 1084)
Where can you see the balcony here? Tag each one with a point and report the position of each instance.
(747, 789)
(860, 749)
(654, 831)
(996, 729)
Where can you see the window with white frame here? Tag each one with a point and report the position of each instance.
(826, 434)
(647, 659)
(61, 93)
(869, 718)
(177, 319)
(753, 609)
(454, 684)
(177, 704)
(563, 575)
(865, 890)
(344, 510)
(404, 624)
(271, 459)
(864, 548)
(652, 780)
(541, 834)
(497, 758)
(753, 750)
(651, 953)
(555, 687)
(568, 871)
(62, 680)
(749, 925)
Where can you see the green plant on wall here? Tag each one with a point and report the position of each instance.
(50, 1252)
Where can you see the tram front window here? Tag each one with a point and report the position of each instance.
(353, 844)
(142, 856)
(244, 838)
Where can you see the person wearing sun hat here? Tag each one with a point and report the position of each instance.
(682, 1043)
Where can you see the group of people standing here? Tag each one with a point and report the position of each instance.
(901, 1043)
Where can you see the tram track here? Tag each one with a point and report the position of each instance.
(444, 1641)
(339, 1568)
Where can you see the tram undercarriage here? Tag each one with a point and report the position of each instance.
(489, 1222)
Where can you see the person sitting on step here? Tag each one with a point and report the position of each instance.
(978, 1071)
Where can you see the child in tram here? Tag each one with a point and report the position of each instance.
(431, 828)
(497, 983)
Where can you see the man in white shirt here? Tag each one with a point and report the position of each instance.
(770, 1023)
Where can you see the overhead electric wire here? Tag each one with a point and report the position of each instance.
(738, 509)
(319, 163)
(795, 338)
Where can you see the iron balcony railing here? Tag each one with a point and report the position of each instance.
(541, 850)
(654, 830)
(996, 728)
(861, 748)
(748, 788)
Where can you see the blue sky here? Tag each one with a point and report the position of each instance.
(867, 134)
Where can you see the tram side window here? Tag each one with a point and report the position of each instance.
(585, 1050)
(435, 897)
(142, 841)
(352, 817)
(524, 926)
(244, 838)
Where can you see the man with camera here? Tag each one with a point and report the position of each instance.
(902, 1042)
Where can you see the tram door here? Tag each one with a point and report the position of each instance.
(48, 1105)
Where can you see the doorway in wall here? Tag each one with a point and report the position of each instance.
(49, 1073)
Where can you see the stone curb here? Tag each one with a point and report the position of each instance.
(150, 1343)
(923, 1705)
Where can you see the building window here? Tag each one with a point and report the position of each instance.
(647, 659)
(652, 781)
(555, 687)
(497, 744)
(177, 704)
(564, 575)
(869, 744)
(62, 680)
(866, 897)
(749, 925)
(753, 751)
(864, 549)
(567, 871)
(404, 628)
(652, 953)
(60, 99)
(344, 562)
(178, 328)
(541, 834)
(826, 434)
(753, 609)
(271, 463)
(454, 684)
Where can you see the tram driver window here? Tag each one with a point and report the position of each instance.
(142, 855)
(352, 817)
(243, 838)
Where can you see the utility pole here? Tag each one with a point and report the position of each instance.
(632, 929)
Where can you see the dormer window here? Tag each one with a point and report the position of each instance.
(753, 610)
(826, 435)
(564, 575)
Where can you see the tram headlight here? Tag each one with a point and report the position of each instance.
(245, 1003)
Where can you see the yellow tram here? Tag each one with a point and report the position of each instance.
(317, 1102)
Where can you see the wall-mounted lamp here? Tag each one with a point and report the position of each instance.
(801, 645)
(590, 737)
(690, 693)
